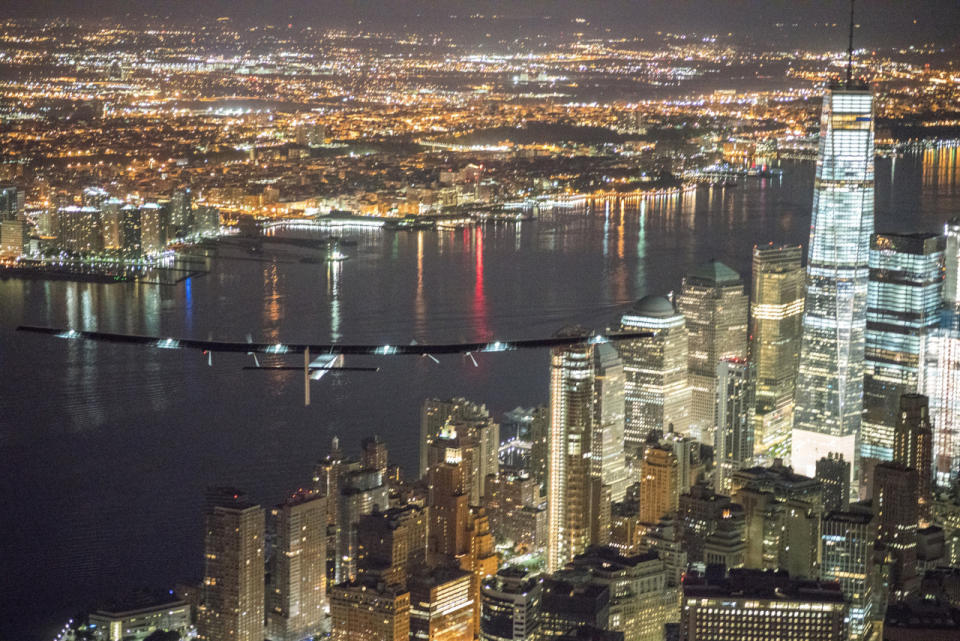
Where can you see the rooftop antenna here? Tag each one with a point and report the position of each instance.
(850, 49)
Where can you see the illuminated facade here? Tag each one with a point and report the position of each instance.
(913, 445)
(572, 499)
(776, 315)
(734, 438)
(441, 606)
(510, 604)
(657, 386)
(896, 503)
(756, 606)
(659, 486)
(608, 461)
(903, 306)
(951, 285)
(716, 310)
(940, 381)
(848, 549)
(830, 380)
(233, 601)
(297, 591)
(359, 612)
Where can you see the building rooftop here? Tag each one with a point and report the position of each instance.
(762, 584)
(654, 307)
(715, 272)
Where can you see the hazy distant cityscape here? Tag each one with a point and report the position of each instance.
(303, 276)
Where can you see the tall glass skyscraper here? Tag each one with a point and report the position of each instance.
(830, 380)
(776, 314)
(903, 307)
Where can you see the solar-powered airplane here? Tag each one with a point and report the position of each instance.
(330, 356)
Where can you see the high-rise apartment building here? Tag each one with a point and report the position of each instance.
(361, 492)
(657, 386)
(716, 310)
(734, 437)
(913, 445)
(776, 315)
(659, 487)
(830, 381)
(847, 554)
(903, 306)
(297, 591)
(576, 500)
(752, 605)
(233, 583)
(608, 461)
(510, 604)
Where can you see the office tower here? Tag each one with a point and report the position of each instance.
(477, 439)
(733, 440)
(700, 512)
(830, 380)
(913, 445)
(517, 512)
(752, 605)
(297, 591)
(903, 306)
(896, 503)
(568, 604)
(449, 509)
(392, 544)
(834, 475)
(361, 611)
(848, 557)
(577, 501)
(690, 467)
(716, 310)
(782, 512)
(510, 606)
(659, 491)
(479, 559)
(171, 615)
(539, 427)
(80, 229)
(940, 382)
(636, 585)
(776, 315)
(951, 283)
(656, 383)
(436, 413)
(233, 602)
(361, 492)
(608, 461)
(441, 605)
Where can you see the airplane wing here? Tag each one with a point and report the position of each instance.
(415, 349)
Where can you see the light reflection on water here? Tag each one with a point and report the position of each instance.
(111, 446)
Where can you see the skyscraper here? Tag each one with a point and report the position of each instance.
(436, 413)
(847, 557)
(733, 442)
(575, 498)
(834, 475)
(469, 428)
(903, 306)
(659, 487)
(716, 310)
(297, 590)
(441, 605)
(940, 381)
(951, 285)
(913, 445)
(776, 314)
(607, 438)
(233, 601)
(896, 501)
(830, 379)
(360, 611)
(657, 387)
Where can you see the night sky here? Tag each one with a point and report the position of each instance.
(882, 21)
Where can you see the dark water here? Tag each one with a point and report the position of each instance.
(105, 450)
